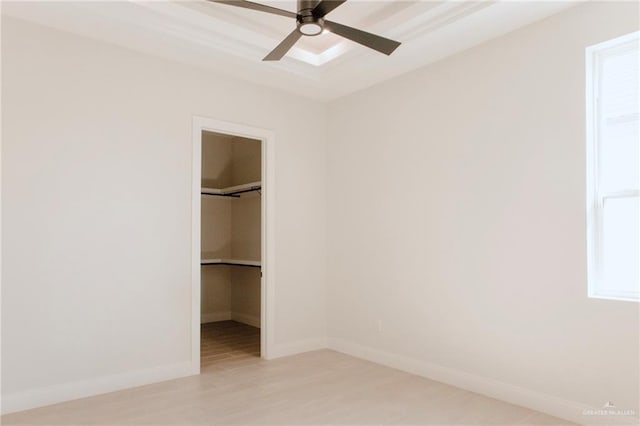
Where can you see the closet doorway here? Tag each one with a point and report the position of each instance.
(231, 257)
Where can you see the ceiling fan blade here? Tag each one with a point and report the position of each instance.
(326, 6)
(375, 42)
(257, 6)
(282, 49)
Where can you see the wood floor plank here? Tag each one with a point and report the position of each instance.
(315, 388)
(226, 341)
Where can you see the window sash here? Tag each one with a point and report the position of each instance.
(597, 279)
(629, 193)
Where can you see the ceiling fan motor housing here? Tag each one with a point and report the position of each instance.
(308, 24)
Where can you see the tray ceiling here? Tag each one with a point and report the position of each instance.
(232, 41)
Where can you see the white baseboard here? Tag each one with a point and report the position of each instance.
(558, 407)
(215, 316)
(246, 319)
(40, 397)
(297, 347)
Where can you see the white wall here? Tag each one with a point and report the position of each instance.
(457, 219)
(96, 175)
(246, 233)
(245, 295)
(217, 152)
(246, 161)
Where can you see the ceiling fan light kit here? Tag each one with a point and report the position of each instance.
(310, 28)
(310, 21)
(308, 24)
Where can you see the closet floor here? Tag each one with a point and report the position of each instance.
(227, 340)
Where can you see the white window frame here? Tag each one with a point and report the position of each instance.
(595, 198)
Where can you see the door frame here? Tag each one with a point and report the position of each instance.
(267, 137)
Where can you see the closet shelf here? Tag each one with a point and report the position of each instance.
(232, 191)
(232, 262)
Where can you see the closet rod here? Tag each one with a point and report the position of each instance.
(234, 194)
(242, 191)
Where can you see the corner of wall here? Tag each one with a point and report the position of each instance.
(549, 404)
(280, 350)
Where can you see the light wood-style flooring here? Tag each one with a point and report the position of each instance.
(320, 387)
(227, 340)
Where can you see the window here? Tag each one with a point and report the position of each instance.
(612, 169)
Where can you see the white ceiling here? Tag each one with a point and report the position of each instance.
(232, 40)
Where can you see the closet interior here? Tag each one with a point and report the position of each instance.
(231, 215)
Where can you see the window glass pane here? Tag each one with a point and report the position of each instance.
(619, 82)
(619, 156)
(618, 121)
(620, 244)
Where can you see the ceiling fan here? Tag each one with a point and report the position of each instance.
(310, 22)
